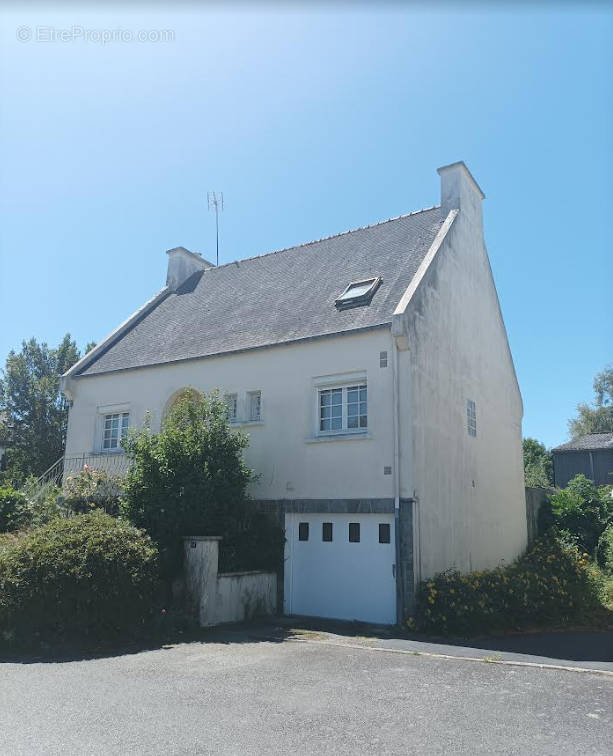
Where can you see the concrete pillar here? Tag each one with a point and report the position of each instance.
(201, 567)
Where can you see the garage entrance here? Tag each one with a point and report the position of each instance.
(341, 566)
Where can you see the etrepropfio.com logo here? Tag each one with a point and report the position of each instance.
(92, 36)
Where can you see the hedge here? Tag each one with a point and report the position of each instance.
(551, 584)
(88, 576)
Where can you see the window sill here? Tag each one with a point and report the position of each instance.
(249, 423)
(107, 452)
(338, 437)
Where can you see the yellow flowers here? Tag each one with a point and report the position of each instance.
(548, 584)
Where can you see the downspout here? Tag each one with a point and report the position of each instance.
(396, 471)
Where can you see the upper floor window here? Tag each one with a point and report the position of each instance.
(232, 405)
(471, 417)
(343, 409)
(114, 429)
(254, 401)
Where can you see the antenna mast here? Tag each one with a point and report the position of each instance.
(215, 202)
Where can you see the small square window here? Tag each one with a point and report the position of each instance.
(326, 531)
(471, 417)
(384, 532)
(255, 406)
(303, 531)
(354, 532)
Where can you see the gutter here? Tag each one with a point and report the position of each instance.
(396, 470)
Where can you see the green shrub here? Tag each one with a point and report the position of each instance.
(92, 489)
(30, 506)
(551, 584)
(12, 504)
(191, 479)
(84, 576)
(583, 509)
(605, 550)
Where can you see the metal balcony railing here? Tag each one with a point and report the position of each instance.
(113, 464)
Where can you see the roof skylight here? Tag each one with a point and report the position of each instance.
(358, 293)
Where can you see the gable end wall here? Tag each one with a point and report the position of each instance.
(469, 491)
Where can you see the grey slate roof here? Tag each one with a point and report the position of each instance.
(278, 297)
(591, 442)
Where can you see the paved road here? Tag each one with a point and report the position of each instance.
(319, 694)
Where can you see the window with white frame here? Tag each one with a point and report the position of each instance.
(254, 401)
(232, 405)
(343, 409)
(471, 417)
(114, 430)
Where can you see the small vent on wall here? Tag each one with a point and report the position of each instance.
(382, 359)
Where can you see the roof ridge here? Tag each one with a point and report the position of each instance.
(323, 238)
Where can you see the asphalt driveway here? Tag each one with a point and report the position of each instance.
(277, 691)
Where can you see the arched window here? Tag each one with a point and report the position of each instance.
(185, 393)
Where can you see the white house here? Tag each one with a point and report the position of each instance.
(373, 374)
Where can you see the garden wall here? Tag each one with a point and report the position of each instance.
(224, 597)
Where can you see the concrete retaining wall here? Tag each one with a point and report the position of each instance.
(227, 597)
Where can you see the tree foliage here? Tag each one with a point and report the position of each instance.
(538, 464)
(596, 418)
(33, 410)
(581, 509)
(191, 479)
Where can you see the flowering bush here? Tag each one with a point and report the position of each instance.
(551, 584)
(88, 575)
(92, 489)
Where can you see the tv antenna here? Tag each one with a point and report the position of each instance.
(215, 202)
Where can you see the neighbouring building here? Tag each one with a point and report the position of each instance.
(591, 455)
(373, 374)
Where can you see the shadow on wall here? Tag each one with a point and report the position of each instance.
(535, 498)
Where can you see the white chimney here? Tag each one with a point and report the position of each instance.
(182, 264)
(460, 191)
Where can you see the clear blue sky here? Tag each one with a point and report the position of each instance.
(311, 122)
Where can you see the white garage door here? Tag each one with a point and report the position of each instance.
(341, 566)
